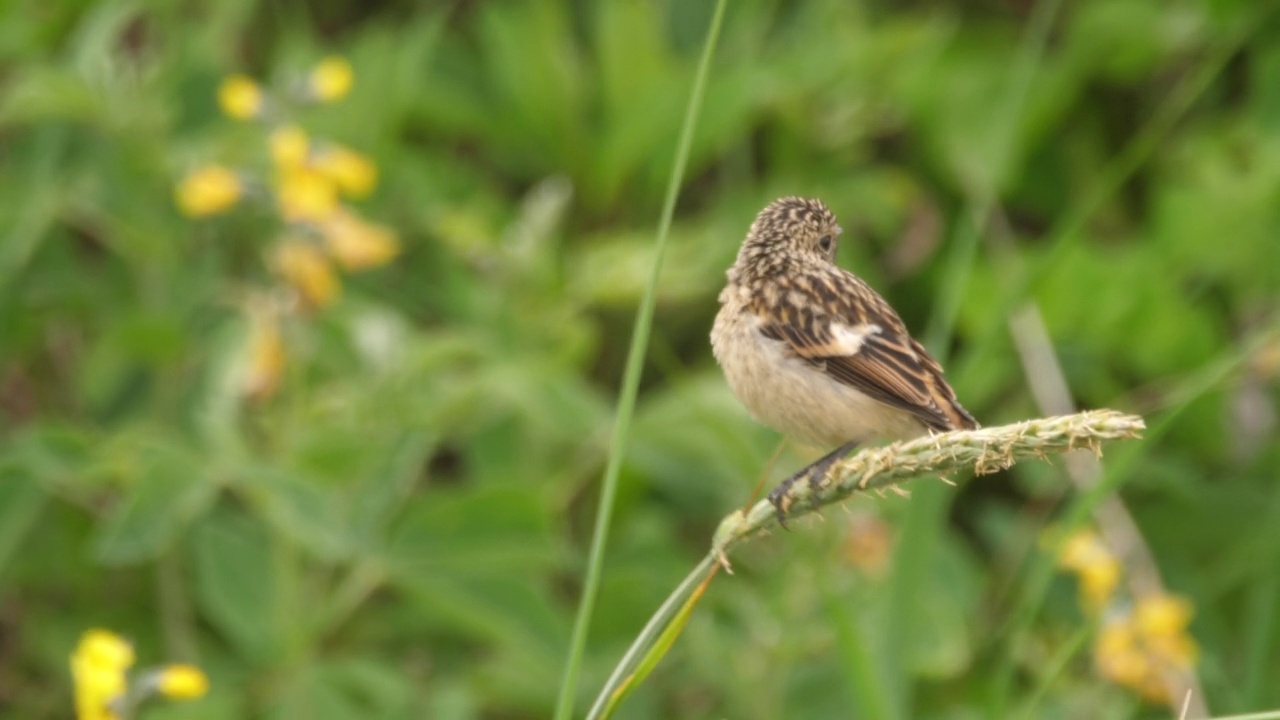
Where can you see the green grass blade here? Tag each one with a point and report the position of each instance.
(631, 381)
(648, 636)
(1055, 669)
(661, 646)
(868, 688)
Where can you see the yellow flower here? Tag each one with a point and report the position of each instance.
(304, 267)
(1079, 549)
(182, 682)
(1143, 648)
(304, 194)
(357, 244)
(354, 173)
(289, 147)
(98, 668)
(266, 356)
(240, 97)
(331, 80)
(1098, 582)
(1162, 621)
(1117, 655)
(1162, 615)
(208, 191)
(1153, 688)
(1098, 570)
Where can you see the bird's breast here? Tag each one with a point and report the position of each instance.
(795, 396)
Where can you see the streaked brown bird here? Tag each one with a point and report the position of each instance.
(814, 352)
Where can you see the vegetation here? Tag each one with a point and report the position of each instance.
(313, 389)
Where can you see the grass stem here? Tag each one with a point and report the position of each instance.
(631, 381)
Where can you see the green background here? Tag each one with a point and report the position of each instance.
(401, 531)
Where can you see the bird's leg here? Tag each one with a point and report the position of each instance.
(815, 472)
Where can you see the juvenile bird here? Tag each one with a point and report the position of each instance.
(814, 352)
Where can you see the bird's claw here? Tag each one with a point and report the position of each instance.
(781, 500)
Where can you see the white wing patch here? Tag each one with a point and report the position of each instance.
(850, 338)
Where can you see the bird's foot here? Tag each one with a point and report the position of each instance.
(815, 473)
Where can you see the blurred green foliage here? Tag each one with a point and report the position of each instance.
(399, 532)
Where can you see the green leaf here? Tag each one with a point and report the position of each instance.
(310, 694)
(302, 509)
(377, 499)
(482, 533)
(22, 502)
(343, 689)
(381, 689)
(696, 428)
(43, 94)
(941, 646)
(170, 488)
(476, 563)
(513, 612)
(236, 583)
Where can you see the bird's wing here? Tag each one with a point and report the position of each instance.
(841, 326)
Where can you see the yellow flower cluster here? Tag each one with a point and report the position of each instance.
(311, 181)
(1138, 646)
(99, 671)
(1095, 567)
(303, 265)
(1141, 648)
(308, 182)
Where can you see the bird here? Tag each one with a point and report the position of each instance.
(814, 352)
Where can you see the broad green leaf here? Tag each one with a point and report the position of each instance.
(237, 584)
(375, 501)
(342, 689)
(169, 488)
(480, 533)
(22, 503)
(513, 613)
(303, 510)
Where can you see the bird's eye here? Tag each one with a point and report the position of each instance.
(825, 242)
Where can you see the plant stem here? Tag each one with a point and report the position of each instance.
(631, 381)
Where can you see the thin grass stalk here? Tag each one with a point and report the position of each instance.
(1054, 670)
(867, 689)
(651, 632)
(631, 381)
(1260, 617)
(659, 647)
(983, 451)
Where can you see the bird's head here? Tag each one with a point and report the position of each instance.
(792, 229)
